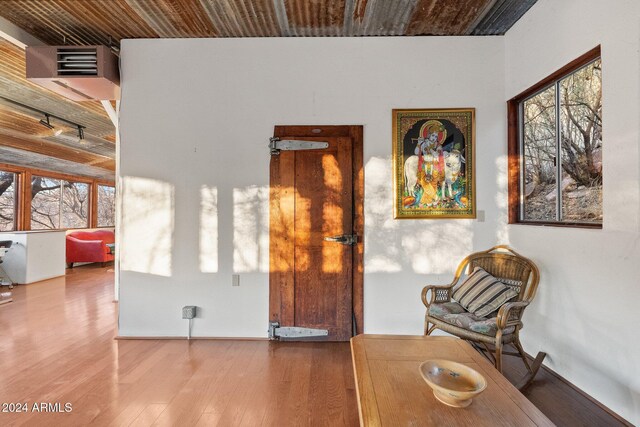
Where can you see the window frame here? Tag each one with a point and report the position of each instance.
(89, 202)
(515, 141)
(16, 201)
(59, 201)
(24, 176)
(97, 195)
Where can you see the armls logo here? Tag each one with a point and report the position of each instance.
(51, 407)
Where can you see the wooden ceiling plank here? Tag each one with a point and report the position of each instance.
(13, 120)
(45, 163)
(27, 126)
(53, 150)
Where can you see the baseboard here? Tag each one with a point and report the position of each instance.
(119, 337)
(583, 393)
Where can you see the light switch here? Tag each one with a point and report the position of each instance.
(480, 216)
(235, 280)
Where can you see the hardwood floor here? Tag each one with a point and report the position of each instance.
(57, 346)
(559, 401)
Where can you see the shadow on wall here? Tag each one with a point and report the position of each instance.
(208, 235)
(417, 246)
(502, 201)
(251, 224)
(147, 226)
(401, 256)
(251, 229)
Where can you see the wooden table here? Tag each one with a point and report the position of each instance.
(391, 391)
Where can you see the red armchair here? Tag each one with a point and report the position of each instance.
(89, 246)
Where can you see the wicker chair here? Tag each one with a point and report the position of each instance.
(493, 333)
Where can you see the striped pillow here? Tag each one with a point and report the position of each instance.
(482, 294)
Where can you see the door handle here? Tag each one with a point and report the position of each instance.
(344, 239)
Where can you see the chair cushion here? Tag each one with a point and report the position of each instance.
(454, 314)
(482, 294)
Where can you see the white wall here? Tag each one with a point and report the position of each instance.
(585, 315)
(195, 120)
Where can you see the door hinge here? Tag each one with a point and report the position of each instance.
(277, 332)
(344, 239)
(276, 145)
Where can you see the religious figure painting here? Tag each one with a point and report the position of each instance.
(433, 163)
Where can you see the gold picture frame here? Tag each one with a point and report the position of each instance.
(434, 163)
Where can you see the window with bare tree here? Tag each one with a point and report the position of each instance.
(75, 205)
(557, 147)
(106, 206)
(7, 201)
(45, 203)
(57, 203)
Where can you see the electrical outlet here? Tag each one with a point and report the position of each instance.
(235, 280)
(189, 311)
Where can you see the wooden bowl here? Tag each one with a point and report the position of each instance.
(453, 384)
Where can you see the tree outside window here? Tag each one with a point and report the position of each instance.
(561, 149)
(58, 204)
(7, 201)
(75, 205)
(106, 206)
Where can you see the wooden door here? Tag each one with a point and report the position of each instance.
(312, 197)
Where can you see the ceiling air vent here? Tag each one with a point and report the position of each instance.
(77, 62)
(79, 73)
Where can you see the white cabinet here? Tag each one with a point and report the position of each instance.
(34, 255)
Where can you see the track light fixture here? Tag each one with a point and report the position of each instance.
(46, 123)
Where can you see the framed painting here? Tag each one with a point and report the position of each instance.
(433, 163)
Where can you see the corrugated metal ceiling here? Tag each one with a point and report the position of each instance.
(95, 21)
(82, 22)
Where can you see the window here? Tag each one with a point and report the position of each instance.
(8, 201)
(57, 201)
(555, 147)
(45, 203)
(75, 205)
(58, 204)
(106, 206)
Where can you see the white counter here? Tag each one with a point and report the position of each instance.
(34, 255)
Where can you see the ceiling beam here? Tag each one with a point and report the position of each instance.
(111, 112)
(17, 35)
